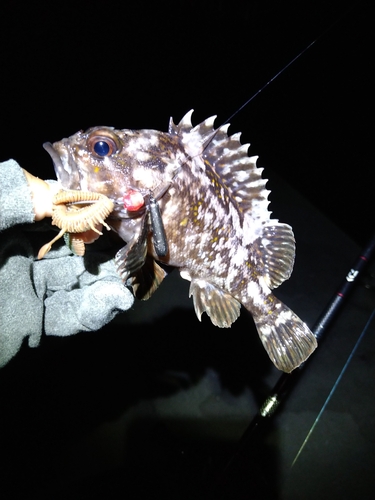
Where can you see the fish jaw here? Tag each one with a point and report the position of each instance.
(66, 169)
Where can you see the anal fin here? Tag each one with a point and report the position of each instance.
(221, 307)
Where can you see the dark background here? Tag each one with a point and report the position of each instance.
(154, 404)
(67, 66)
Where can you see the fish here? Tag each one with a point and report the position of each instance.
(193, 199)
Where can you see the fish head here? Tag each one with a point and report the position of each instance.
(114, 162)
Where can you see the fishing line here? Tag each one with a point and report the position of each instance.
(272, 79)
(334, 387)
(327, 30)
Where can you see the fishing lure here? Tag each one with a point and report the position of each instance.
(71, 217)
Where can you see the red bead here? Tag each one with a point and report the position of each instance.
(133, 200)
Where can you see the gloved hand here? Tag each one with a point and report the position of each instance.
(62, 294)
(75, 299)
(57, 295)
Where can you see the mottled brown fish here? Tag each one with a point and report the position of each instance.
(214, 222)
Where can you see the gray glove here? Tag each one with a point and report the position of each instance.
(76, 300)
(57, 295)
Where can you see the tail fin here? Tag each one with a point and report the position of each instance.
(286, 338)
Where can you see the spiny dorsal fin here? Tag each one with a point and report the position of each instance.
(229, 158)
(195, 138)
(239, 172)
(184, 126)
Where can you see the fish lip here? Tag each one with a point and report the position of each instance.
(53, 154)
(66, 169)
(61, 172)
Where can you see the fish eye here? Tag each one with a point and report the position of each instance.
(102, 148)
(103, 143)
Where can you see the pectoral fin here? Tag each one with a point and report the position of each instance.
(278, 248)
(147, 279)
(132, 257)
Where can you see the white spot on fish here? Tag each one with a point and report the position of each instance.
(254, 291)
(240, 256)
(283, 317)
(143, 156)
(185, 275)
(265, 242)
(266, 330)
(241, 176)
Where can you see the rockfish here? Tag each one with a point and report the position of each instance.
(193, 199)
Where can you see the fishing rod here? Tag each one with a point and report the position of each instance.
(290, 63)
(286, 381)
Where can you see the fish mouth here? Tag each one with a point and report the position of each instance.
(57, 163)
(63, 169)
